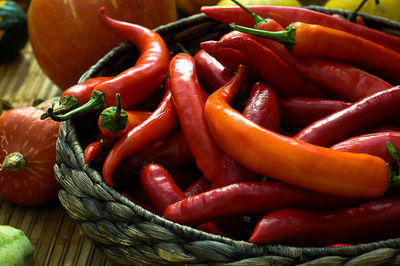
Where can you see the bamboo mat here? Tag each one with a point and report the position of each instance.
(55, 236)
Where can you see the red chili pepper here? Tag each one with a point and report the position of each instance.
(373, 143)
(369, 222)
(97, 150)
(189, 102)
(299, 112)
(285, 15)
(317, 41)
(295, 162)
(135, 83)
(162, 121)
(171, 152)
(199, 186)
(211, 73)
(274, 70)
(114, 121)
(261, 108)
(361, 115)
(247, 198)
(161, 191)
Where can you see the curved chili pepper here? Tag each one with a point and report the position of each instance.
(316, 40)
(369, 222)
(285, 15)
(162, 121)
(114, 121)
(161, 191)
(189, 103)
(299, 112)
(261, 108)
(211, 73)
(137, 82)
(373, 143)
(361, 115)
(295, 162)
(274, 70)
(247, 198)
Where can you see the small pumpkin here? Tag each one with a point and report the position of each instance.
(13, 28)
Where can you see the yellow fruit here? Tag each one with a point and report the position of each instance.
(193, 6)
(262, 2)
(386, 8)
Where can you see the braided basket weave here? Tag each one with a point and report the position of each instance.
(129, 234)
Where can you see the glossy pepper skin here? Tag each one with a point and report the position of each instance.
(161, 122)
(299, 112)
(286, 159)
(135, 83)
(189, 102)
(274, 70)
(316, 40)
(161, 191)
(150, 70)
(247, 198)
(366, 113)
(211, 73)
(286, 15)
(261, 108)
(371, 221)
(372, 143)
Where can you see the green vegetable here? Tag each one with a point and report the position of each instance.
(13, 28)
(15, 247)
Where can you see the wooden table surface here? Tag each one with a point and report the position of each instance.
(54, 235)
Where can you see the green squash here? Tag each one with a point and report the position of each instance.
(13, 28)
(15, 247)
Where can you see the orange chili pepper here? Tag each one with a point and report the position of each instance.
(286, 159)
(319, 41)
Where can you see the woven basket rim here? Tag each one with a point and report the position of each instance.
(69, 137)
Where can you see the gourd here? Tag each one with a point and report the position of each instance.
(15, 247)
(13, 29)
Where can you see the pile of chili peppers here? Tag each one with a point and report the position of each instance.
(283, 131)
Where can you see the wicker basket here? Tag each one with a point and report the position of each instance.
(129, 234)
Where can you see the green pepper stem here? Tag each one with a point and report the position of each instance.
(114, 119)
(286, 36)
(96, 102)
(257, 19)
(394, 177)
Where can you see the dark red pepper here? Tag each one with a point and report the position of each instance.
(161, 191)
(373, 143)
(211, 73)
(298, 112)
(248, 198)
(371, 221)
(274, 70)
(199, 186)
(348, 122)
